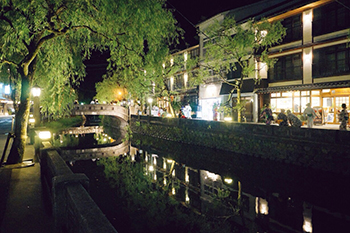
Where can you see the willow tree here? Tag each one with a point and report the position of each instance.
(231, 47)
(46, 41)
(151, 80)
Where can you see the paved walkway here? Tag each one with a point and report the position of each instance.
(21, 202)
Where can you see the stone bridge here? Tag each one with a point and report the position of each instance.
(98, 152)
(104, 109)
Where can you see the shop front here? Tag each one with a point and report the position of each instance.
(325, 101)
(209, 98)
(247, 97)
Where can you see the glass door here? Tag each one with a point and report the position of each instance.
(332, 107)
(328, 107)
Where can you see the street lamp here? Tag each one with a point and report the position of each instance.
(36, 108)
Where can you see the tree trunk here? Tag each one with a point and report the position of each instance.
(172, 112)
(21, 122)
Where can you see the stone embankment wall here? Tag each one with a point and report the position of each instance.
(72, 207)
(323, 149)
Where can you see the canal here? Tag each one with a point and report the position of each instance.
(163, 186)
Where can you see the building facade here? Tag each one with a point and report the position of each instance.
(180, 83)
(313, 61)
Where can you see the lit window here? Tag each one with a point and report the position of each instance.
(286, 94)
(185, 79)
(304, 101)
(275, 94)
(7, 89)
(284, 103)
(316, 101)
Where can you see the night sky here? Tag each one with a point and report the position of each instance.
(186, 12)
(198, 11)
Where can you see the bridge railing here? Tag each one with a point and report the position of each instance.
(104, 109)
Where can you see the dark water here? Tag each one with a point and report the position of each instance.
(161, 186)
(81, 140)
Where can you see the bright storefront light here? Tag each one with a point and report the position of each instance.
(44, 135)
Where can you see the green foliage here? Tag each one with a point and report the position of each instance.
(46, 42)
(137, 66)
(148, 204)
(65, 140)
(63, 123)
(231, 47)
(152, 78)
(224, 108)
(111, 126)
(128, 135)
(176, 106)
(231, 43)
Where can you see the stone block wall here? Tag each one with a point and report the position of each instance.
(320, 149)
(72, 207)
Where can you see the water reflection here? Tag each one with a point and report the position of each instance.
(81, 140)
(225, 192)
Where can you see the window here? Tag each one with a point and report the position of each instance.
(329, 61)
(293, 29)
(316, 101)
(287, 68)
(194, 53)
(341, 100)
(292, 100)
(331, 17)
(179, 82)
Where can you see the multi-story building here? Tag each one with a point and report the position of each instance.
(313, 63)
(179, 83)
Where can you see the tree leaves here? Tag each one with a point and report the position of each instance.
(73, 30)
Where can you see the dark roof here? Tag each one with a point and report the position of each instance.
(301, 87)
(264, 9)
(267, 8)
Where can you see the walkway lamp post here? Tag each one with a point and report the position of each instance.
(36, 108)
(150, 100)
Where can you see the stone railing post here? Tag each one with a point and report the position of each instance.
(59, 184)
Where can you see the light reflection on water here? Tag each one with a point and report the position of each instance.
(240, 193)
(81, 140)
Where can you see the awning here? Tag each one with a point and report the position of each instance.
(247, 87)
(302, 87)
